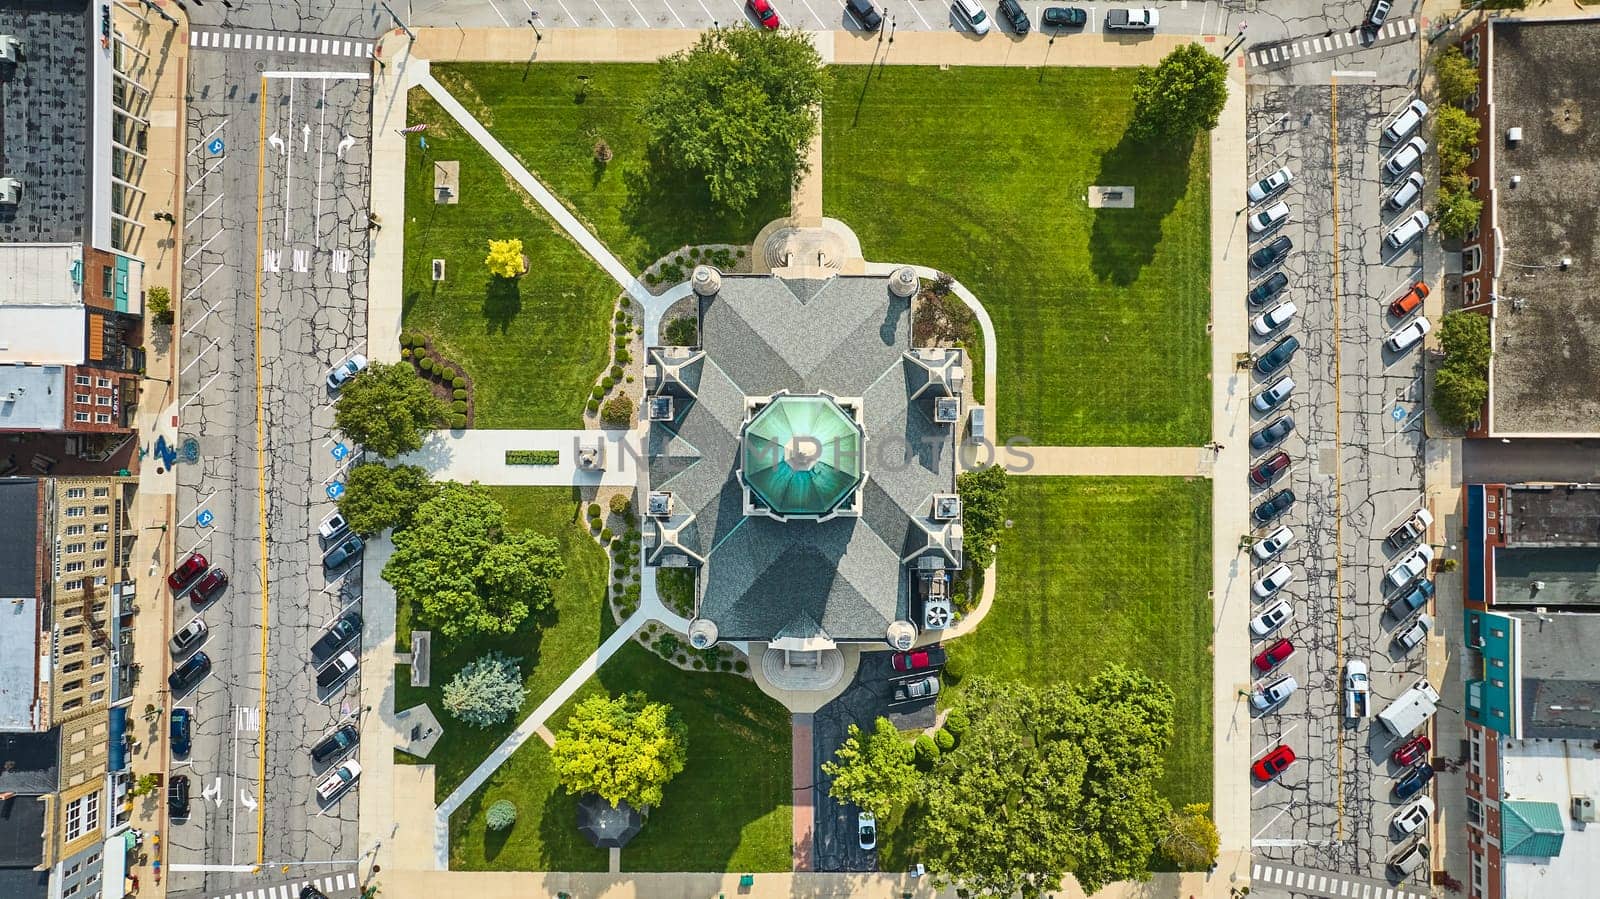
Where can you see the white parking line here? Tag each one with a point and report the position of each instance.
(201, 390)
(602, 9)
(203, 176)
(203, 212)
(821, 22)
(1269, 822)
(198, 506)
(197, 544)
(640, 13)
(198, 356)
(190, 257)
(207, 139)
(196, 289)
(918, 13)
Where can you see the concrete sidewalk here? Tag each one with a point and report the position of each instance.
(479, 455)
(1170, 461)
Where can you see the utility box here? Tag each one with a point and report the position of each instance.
(10, 191)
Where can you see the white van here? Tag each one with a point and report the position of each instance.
(1406, 122)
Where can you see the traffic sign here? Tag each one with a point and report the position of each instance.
(205, 518)
(215, 147)
(339, 451)
(335, 490)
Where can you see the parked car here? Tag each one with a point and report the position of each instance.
(1413, 859)
(917, 659)
(1271, 508)
(1269, 218)
(335, 744)
(1272, 582)
(339, 780)
(1410, 302)
(347, 549)
(1407, 335)
(1274, 319)
(1377, 14)
(1273, 763)
(342, 631)
(1412, 781)
(764, 13)
(1408, 639)
(1412, 751)
(1413, 528)
(1272, 619)
(867, 830)
(1411, 600)
(1272, 544)
(178, 796)
(1271, 254)
(1272, 434)
(865, 14)
(1405, 157)
(1269, 658)
(1413, 815)
(1357, 690)
(1268, 470)
(916, 688)
(310, 892)
(1273, 396)
(191, 672)
(1272, 694)
(1269, 185)
(1063, 17)
(336, 670)
(1139, 19)
(971, 13)
(207, 588)
(188, 637)
(332, 526)
(1408, 230)
(186, 572)
(1406, 122)
(181, 731)
(1277, 357)
(1268, 289)
(1012, 11)
(341, 374)
(1412, 566)
(1407, 192)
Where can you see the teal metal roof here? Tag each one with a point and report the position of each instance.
(802, 455)
(1530, 829)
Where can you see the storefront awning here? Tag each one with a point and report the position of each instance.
(118, 755)
(114, 870)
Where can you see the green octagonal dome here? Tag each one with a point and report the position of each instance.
(802, 455)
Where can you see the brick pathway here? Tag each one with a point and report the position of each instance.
(804, 780)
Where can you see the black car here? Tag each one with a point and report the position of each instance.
(182, 732)
(1272, 434)
(1271, 254)
(1266, 290)
(343, 631)
(865, 14)
(310, 892)
(191, 672)
(1273, 507)
(1278, 356)
(1012, 11)
(178, 796)
(1063, 17)
(335, 744)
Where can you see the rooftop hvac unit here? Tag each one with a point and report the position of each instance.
(1514, 136)
(10, 191)
(947, 410)
(660, 504)
(10, 48)
(946, 507)
(1583, 809)
(661, 408)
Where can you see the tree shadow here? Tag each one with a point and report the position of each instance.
(668, 207)
(1123, 241)
(502, 301)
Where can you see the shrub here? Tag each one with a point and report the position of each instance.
(954, 668)
(458, 406)
(652, 279)
(597, 393)
(618, 411)
(944, 739)
(741, 666)
(741, 254)
(608, 382)
(620, 504)
(487, 691)
(593, 511)
(925, 753)
(458, 422)
(593, 406)
(956, 722)
(602, 152)
(533, 457)
(699, 665)
(458, 382)
(616, 371)
(681, 331)
(425, 363)
(668, 645)
(405, 353)
(624, 357)
(406, 338)
(458, 393)
(501, 815)
(158, 301)
(724, 665)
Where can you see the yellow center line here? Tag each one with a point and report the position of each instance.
(1338, 479)
(261, 487)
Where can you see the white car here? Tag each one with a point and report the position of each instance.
(1272, 544)
(1405, 157)
(1269, 185)
(332, 526)
(1407, 192)
(970, 12)
(1413, 815)
(1407, 335)
(1271, 217)
(1272, 619)
(341, 374)
(1406, 122)
(1273, 319)
(1411, 860)
(1408, 230)
(188, 637)
(1408, 639)
(338, 780)
(1273, 581)
(867, 830)
(1266, 697)
(1412, 566)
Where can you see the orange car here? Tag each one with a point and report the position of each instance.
(1410, 302)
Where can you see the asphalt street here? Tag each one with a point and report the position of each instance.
(275, 273)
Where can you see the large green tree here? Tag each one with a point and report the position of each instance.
(1464, 337)
(983, 511)
(624, 748)
(737, 110)
(377, 497)
(1181, 96)
(387, 409)
(873, 771)
(464, 573)
(1191, 841)
(1455, 134)
(1457, 77)
(1457, 212)
(1459, 395)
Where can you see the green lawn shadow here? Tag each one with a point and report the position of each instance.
(1122, 242)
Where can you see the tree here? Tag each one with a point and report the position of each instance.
(1455, 134)
(1457, 212)
(618, 411)
(388, 409)
(1181, 97)
(505, 258)
(463, 573)
(1191, 841)
(158, 302)
(681, 331)
(487, 691)
(1464, 337)
(624, 748)
(1456, 75)
(874, 772)
(737, 110)
(501, 815)
(983, 511)
(377, 496)
(1459, 395)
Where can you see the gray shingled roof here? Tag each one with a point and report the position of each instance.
(45, 111)
(19, 538)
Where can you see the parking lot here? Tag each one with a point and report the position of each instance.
(1356, 472)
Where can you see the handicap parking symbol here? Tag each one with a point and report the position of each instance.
(339, 452)
(205, 518)
(215, 147)
(1399, 413)
(335, 490)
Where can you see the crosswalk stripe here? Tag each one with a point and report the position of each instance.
(194, 38)
(346, 881)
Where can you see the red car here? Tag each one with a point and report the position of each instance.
(1268, 471)
(208, 587)
(917, 659)
(1273, 763)
(764, 13)
(1414, 750)
(1274, 655)
(192, 567)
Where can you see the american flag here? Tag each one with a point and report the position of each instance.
(413, 129)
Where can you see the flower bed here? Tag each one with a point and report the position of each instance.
(533, 457)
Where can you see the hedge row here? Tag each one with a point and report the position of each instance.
(533, 457)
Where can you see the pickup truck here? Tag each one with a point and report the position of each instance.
(336, 670)
(1357, 690)
(1411, 600)
(1409, 532)
(1139, 19)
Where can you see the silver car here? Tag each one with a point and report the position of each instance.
(1269, 185)
(1273, 581)
(188, 637)
(1272, 694)
(1272, 544)
(1407, 193)
(1408, 230)
(1405, 157)
(1272, 619)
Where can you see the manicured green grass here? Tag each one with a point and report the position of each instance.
(533, 345)
(1100, 314)
(551, 123)
(730, 809)
(550, 645)
(1102, 570)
